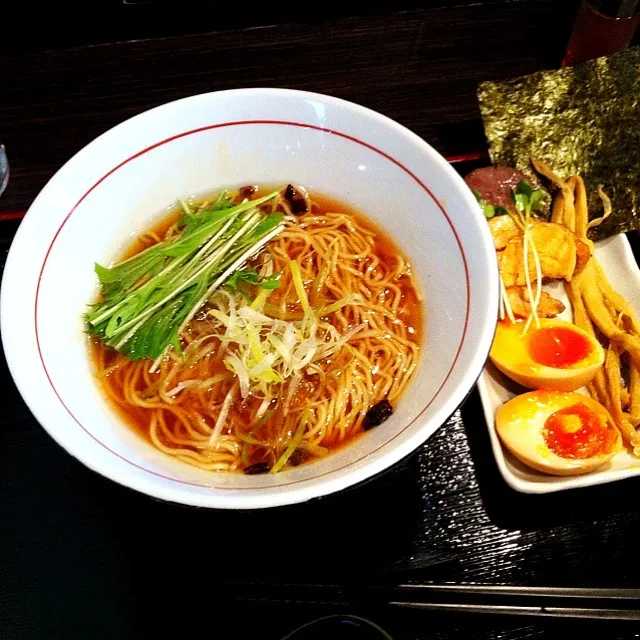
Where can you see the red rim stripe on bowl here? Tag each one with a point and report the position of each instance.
(233, 124)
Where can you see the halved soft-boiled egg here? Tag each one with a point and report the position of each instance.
(560, 433)
(556, 355)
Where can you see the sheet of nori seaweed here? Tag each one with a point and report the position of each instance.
(579, 120)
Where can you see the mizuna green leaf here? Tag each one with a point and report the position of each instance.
(148, 298)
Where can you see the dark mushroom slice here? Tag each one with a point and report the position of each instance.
(248, 190)
(377, 414)
(296, 200)
(298, 457)
(257, 468)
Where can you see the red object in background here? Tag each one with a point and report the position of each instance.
(602, 28)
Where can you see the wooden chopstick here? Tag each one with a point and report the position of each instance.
(549, 602)
(514, 610)
(545, 592)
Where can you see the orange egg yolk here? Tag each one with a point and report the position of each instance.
(557, 346)
(577, 432)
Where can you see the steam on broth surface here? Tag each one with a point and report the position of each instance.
(256, 330)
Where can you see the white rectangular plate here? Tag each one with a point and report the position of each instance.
(616, 258)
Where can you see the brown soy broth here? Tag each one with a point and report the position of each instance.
(385, 248)
(145, 240)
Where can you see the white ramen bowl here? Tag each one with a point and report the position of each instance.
(126, 179)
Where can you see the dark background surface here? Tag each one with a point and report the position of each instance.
(78, 22)
(81, 557)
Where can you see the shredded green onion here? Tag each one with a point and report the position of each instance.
(263, 351)
(297, 438)
(299, 285)
(261, 298)
(352, 298)
(245, 454)
(247, 438)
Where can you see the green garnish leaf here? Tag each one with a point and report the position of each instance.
(525, 198)
(488, 209)
(161, 329)
(147, 299)
(524, 188)
(521, 202)
(536, 198)
(252, 277)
